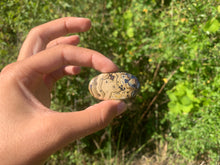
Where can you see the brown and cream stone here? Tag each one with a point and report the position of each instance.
(114, 86)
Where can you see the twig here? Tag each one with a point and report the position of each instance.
(98, 147)
(149, 106)
(155, 97)
(156, 71)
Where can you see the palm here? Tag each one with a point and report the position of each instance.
(42, 93)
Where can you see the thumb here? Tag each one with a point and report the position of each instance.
(54, 130)
(73, 125)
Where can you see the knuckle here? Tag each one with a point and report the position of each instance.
(8, 68)
(10, 72)
(35, 30)
(37, 33)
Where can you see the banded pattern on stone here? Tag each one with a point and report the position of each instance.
(114, 86)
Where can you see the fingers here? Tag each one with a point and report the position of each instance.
(73, 125)
(70, 70)
(58, 74)
(50, 60)
(41, 35)
(72, 40)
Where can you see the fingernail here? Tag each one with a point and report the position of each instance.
(121, 108)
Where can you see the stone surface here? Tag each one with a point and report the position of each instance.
(114, 86)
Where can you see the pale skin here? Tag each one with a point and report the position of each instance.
(29, 130)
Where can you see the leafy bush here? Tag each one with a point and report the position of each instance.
(171, 46)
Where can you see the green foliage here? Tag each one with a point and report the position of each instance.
(182, 99)
(195, 124)
(211, 26)
(171, 46)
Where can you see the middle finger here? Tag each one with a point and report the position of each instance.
(40, 36)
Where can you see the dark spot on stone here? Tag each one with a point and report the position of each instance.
(126, 80)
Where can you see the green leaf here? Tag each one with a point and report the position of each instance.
(182, 69)
(190, 94)
(128, 15)
(185, 100)
(109, 5)
(174, 108)
(130, 32)
(187, 109)
(212, 26)
(172, 96)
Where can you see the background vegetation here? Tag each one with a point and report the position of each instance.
(172, 46)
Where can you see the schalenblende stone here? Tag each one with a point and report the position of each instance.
(114, 86)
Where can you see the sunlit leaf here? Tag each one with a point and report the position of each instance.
(212, 25)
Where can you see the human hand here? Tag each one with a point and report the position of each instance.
(29, 131)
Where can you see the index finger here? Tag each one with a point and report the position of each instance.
(40, 36)
(49, 60)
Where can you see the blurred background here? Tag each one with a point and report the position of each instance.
(171, 46)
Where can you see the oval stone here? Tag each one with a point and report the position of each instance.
(114, 86)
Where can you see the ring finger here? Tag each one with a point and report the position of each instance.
(71, 40)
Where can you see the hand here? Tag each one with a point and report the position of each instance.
(29, 131)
